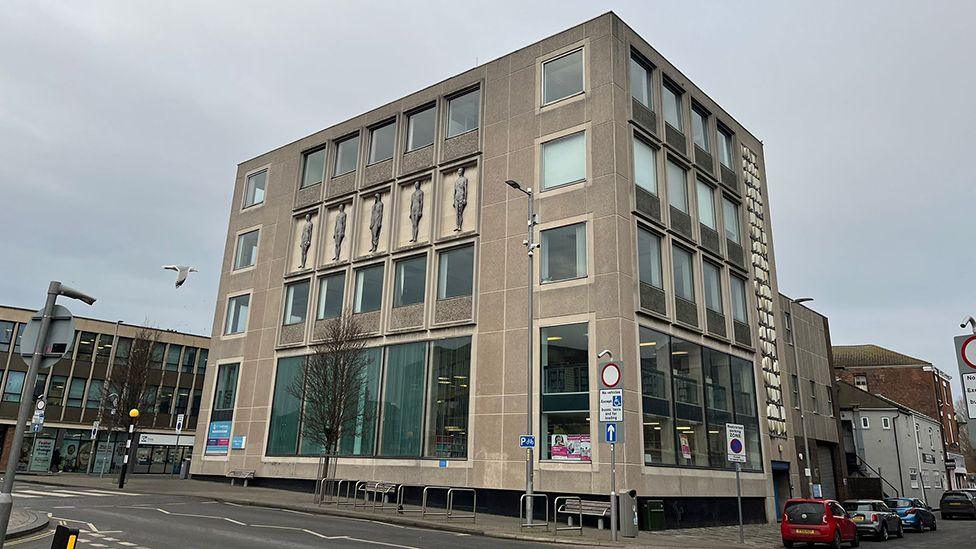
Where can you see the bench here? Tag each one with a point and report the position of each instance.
(599, 509)
(234, 474)
(379, 492)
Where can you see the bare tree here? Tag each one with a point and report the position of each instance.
(330, 385)
(128, 381)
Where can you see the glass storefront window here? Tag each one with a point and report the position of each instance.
(76, 392)
(689, 425)
(360, 439)
(718, 405)
(226, 387)
(403, 400)
(565, 392)
(447, 432)
(744, 391)
(655, 357)
(285, 409)
(14, 386)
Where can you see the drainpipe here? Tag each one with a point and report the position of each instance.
(918, 456)
(901, 473)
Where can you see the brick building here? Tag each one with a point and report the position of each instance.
(904, 379)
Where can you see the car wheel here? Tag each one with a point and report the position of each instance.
(901, 530)
(933, 525)
(883, 533)
(787, 544)
(857, 539)
(836, 543)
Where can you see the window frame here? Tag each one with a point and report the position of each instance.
(232, 298)
(542, 160)
(447, 117)
(304, 173)
(237, 249)
(544, 253)
(356, 287)
(724, 132)
(718, 270)
(289, 287)
(865, 422)
(668, 85)
(671, 161)
(372, 141)
(319, 303)
(397, 281)
(639, 140)
(648, 68)
(727, 204)
(338, 148)
(703, 114)
(886, 423)
(641, 228)
(441, 270)
(691, 269)
(410, 118)
(708, 192)
(247, 183)
(542, 69)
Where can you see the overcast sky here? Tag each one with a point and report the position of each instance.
(121, 125)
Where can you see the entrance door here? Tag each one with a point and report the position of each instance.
(781, 486)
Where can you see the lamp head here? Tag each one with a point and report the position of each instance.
(513, 184)
(133, 413)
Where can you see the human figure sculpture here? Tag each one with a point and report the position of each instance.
(460, 198)
(339, 232)
(416, 209)
(306, 241)
(376, 222)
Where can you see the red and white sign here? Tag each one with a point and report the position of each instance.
(967, 352)
(610, 375)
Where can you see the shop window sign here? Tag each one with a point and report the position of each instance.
(218, 438)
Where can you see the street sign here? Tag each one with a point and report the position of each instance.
(735, 442)
(966, 352)
(94, 430)
(610, 375)
(238, 442)
(969, 393)
(526, 441)
(610, 433)
(611, 404)
(966, 358)
(179, 423)
(60, 336)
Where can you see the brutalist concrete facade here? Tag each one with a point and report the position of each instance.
(608, 296)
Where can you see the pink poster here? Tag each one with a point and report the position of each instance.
(685, 447)
(570, 447)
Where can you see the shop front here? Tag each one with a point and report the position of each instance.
(162, 454)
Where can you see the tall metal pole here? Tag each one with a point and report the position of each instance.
(799, 395)
(613, 491)
(738, 497)
(530, 245)
(6, 500)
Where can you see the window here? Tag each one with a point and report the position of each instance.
(189, 357)
(649, 258)
(247, 250)
(14, 387)
(195, 403)
(861, 381)
(347, 156)
(564, 253)
(236, 318)
(713, 287)
(739, 312)
(369, 289)
(331, 295)
(655, 357)
(296, 303)
(40, 381)
(156, 356)
(76, 392)
(706, 205)
(455, 272)
(86, 347)
(564, 161)
(94, 394)
(830, 400)
(361, 439)
(731, 218)
(865, 423)
(672, 105)
(787, 327)
(640, 82)
(725, 147)
(565, 392)
(420, 128)
(123, 347)
(684, 275)
(718, 404)
(173, 358)
(677, 187)
(55, 392)
(164, 404)
(401, 431)
(746, 410)
(20, 336)
(562, 77)
(149, 398)
(226, 388)
(447, 432)
(645, 166)
(795, 383)
(254, 188)
(182, 400)
(409, 287)
(313, 170)
(699, 127)
(686, 371)
(813, 396)
(886, 423)
(381, 140)
(463, 113)
(202, 364)
(103, 349)
(6, 335)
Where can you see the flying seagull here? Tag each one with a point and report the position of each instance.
(182, 271)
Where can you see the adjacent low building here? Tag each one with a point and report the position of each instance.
(886, 440)
(656, 244)
(74, 392)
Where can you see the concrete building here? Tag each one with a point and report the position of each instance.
(891, 441)
(74, 389)
(809, 332)
(910, 381)
(655, 244)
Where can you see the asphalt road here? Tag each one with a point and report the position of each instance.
(949, 535)
(112, 519)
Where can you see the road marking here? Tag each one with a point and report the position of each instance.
(232, 504)
(92, 527)
(115, 493)
(63, 507)
(276, 526)
(379, 543)
(16, 495)
(43, 535)
(74, 493)
(231, 520)
(298, 512)
(323, 536)
(46, 494)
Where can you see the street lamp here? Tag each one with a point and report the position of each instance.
(799, 395)
(134, 415)
(530, 246)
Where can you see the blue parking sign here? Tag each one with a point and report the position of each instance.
(526, 441)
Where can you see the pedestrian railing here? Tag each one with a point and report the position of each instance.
(522, 514)
(474, 504)
(570, 510)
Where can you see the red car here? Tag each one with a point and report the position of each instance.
(817, 521)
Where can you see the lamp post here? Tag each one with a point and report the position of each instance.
(134, 414)
(799, 396)
(530, 245)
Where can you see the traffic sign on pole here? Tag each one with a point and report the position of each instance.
(611, 433)
(611, 404)
(735, 442)
(610, 374)
(179, 423)
(60, 336)
(526, 441)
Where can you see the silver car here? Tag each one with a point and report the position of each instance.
(874, 518)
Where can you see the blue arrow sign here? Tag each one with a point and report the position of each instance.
(527, 441)
(611, 433)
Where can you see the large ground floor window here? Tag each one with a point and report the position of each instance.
(412, 402)
(564, 352)
(689, 393)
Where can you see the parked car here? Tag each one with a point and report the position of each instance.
(817, 521)
(913, 512)
(958, 503)
(874, 518)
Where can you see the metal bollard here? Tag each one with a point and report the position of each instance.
(64, 537)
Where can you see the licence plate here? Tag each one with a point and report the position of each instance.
(805, 531)
(858, 519)
(955, 503)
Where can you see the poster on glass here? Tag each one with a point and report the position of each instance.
(570, 447)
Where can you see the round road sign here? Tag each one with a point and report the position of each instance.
(610, 374)
(736, 446)
(969, 352)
